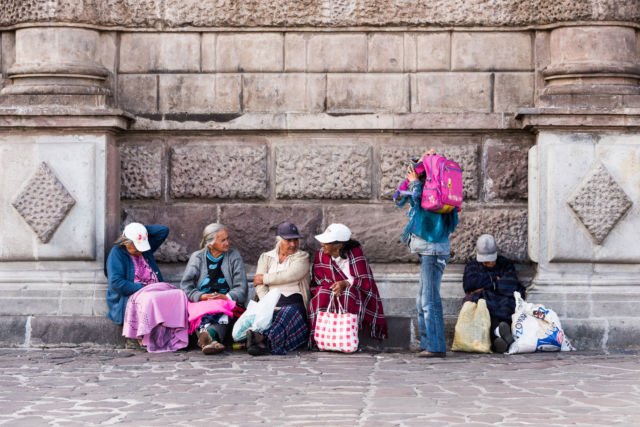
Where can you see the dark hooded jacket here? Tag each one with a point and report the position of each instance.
(496, 285)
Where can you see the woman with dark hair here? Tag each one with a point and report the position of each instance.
(341, 268)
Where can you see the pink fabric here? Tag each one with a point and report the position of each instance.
(157, 314)
(143, 273)
(212, 306)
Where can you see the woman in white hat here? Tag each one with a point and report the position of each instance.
(341, 268)
(151, 311)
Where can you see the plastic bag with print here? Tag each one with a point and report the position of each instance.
(536, 328)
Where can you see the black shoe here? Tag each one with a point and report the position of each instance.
(249, 338)
(500, 345)
(258, 350)
(505, 333)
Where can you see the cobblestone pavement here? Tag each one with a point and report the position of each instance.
(69, 387)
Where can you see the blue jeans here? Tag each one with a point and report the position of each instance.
(429, 304)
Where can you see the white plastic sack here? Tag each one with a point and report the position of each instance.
(536, 328)
(257, 317)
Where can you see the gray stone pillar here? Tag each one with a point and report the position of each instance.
(584, 185)
(59, 183)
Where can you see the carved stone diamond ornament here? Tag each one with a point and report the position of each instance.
(44, 203)
(599, 202)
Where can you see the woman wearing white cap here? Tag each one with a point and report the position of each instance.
(341, 268)
(150, 310)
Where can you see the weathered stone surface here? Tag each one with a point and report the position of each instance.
(377, 227)
(185, 223)
(508, 226)
(367, 93)
(386, 53)
(283, 92)
(43, 203)
(141, 171)
(513, 91)
(12, 330)
(157, 14)
(506, 163)
(152, 52)
(249, 52)
(599, 202)
(138, 93)
(295, 52)
(433, 51)
(451, 92)
(74, 330)
(337, 53)
(395, 157)
(218, 171)
(200, 94)
(252, 227)
(492, 51)
(322, 172)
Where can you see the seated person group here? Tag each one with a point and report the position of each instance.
(214, 290)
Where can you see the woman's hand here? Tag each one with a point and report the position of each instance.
(339, 287)
(215, 295)
(257, 280)
(411, 174)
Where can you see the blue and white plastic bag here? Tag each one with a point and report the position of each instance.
(536, 328)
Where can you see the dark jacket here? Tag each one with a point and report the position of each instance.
(496, 285)
(120, 272)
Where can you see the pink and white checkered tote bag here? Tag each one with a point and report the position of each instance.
(336, 330)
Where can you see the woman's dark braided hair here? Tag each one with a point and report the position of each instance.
(347, 246)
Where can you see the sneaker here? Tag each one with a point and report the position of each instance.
(204, 339)
(430, 354)
(505, 333)
(213, 348)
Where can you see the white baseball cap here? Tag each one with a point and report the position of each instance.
(334, 233)
(137, 233)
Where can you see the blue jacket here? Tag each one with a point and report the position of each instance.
(430, 226)
(120, 272)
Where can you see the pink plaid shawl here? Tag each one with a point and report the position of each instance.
(362, 298)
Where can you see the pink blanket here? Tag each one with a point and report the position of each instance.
(212, 306)
(157, 314)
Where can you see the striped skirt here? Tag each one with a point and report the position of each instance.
(288, 330)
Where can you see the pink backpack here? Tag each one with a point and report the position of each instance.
(442, 191)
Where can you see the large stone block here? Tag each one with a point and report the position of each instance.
(506, 163)
(138, 93)
(249, 52)
(623, 333)
(492, 51)
(513, 91)
(252, 227)
(451, 92)
(141, 171)
(367, 93)
(13, 330)
(218, 171)
(75, 330)
(159, 52)
(377, 227)
(507, 225)
(199, 94)
(323, 172)
(433, 51)
(386, 53)
(295, 52)
(283, 92)
(395, 157)
(337, 53)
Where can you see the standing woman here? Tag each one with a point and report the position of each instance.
(215, 272)
(427, 235)
(341, 268)
(151, 311)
